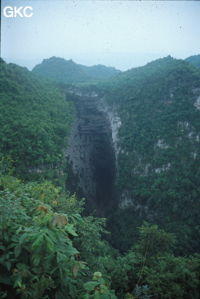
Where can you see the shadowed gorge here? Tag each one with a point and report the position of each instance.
(91, 152)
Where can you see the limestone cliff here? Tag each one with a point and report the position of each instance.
(92, 150)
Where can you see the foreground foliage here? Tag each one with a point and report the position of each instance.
(48, 250)
(38, 256)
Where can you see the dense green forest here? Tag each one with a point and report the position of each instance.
(35, 119)
(159, 153)
(49, 246)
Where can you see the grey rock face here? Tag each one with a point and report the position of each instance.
(91, 150)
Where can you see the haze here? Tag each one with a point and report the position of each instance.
(123, 34)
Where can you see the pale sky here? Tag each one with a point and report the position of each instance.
(123, 34)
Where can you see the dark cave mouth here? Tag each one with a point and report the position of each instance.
(92, 157)
(104, 175)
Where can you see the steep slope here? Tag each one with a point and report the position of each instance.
(67, 71)
(158, 149)
(34, 119)
(194, 60)
(91, 151)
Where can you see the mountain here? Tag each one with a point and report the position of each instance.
(194, 60)
(35, 120)
(67, 71)
(100, 72)
(158, 149)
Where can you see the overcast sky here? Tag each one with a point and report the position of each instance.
(123, 34)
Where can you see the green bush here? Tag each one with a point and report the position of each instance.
(38, 258)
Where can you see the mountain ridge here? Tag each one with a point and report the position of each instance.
(194, 60)
(67, 71)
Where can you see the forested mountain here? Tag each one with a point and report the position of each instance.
(159, 149)
(35, 120)
(146, 121)
(67, 71)
(194, 60)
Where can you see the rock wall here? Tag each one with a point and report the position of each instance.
(92, 150)
(114, 122)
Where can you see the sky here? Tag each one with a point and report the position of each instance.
(123, 34)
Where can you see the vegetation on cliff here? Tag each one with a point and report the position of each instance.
(159, 153)
(35, 119)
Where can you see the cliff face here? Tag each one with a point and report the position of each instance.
(92, 150)
(158, 147)
(134, 148)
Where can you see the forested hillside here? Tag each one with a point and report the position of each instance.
(194, 60)
(67, 71)
(34, 119)
(159, 152)
(148, 247)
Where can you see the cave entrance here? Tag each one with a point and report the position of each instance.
(91, 155)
